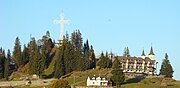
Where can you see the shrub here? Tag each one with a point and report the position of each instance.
(60, 83)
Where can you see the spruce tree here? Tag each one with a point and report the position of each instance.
(47, 34)
(17, 58)
(93, 57)
(101, 62)
(47, 45)
(59, 64)
(42, 61)
(104, 61)
(7, 63)
(107, 60)
(166, 68)
(76, 41)
(25, 55)
(79, 60)
(2, 62)
(68, 58)
(126, 52)
(34, 56)
(117, 73)
(87, 60)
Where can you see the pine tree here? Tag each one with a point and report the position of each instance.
(25, 55)
(47, 34)
(79, 60)
(2, 62)
(42, 60)
(34, 56)
(76, 41)
(87, 60)
(126, 52)
(59, 64)
(7, 63)
(107, 60)
(47, 45)
(17, 58)
(93, 58)
(104, 61)
(101, 61)
(166, 68)
(68, 58)
(117, 73)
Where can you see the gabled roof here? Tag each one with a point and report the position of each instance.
(124, 59)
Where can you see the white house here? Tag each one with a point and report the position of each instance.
(97, 81)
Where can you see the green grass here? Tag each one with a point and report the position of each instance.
(79, 77)
(153, 83)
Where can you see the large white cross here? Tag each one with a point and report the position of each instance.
(62, 22)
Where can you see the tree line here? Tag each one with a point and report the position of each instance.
(71, 55)
(5, 64)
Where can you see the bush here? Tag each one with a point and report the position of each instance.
(60, 83)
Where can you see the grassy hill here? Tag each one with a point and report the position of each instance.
(79, 78)
(153, 83)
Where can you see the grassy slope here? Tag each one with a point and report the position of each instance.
(80, 77)
(153, 83)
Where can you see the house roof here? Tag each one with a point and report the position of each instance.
(151, 51)
(143, 54)
(124, 59)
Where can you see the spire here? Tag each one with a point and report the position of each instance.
(151, 51)
(143, 54)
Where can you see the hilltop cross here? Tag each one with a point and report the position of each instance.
(62, 22)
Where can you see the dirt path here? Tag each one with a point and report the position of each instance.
(40, 82)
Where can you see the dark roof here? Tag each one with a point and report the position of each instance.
(143, 54)
(151, 51)
(123, 59)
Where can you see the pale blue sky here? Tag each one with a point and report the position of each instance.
(107, 24)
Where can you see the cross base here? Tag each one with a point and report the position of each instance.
(59, 43)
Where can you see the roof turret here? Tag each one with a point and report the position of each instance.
(151, 51)
(143, 54)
